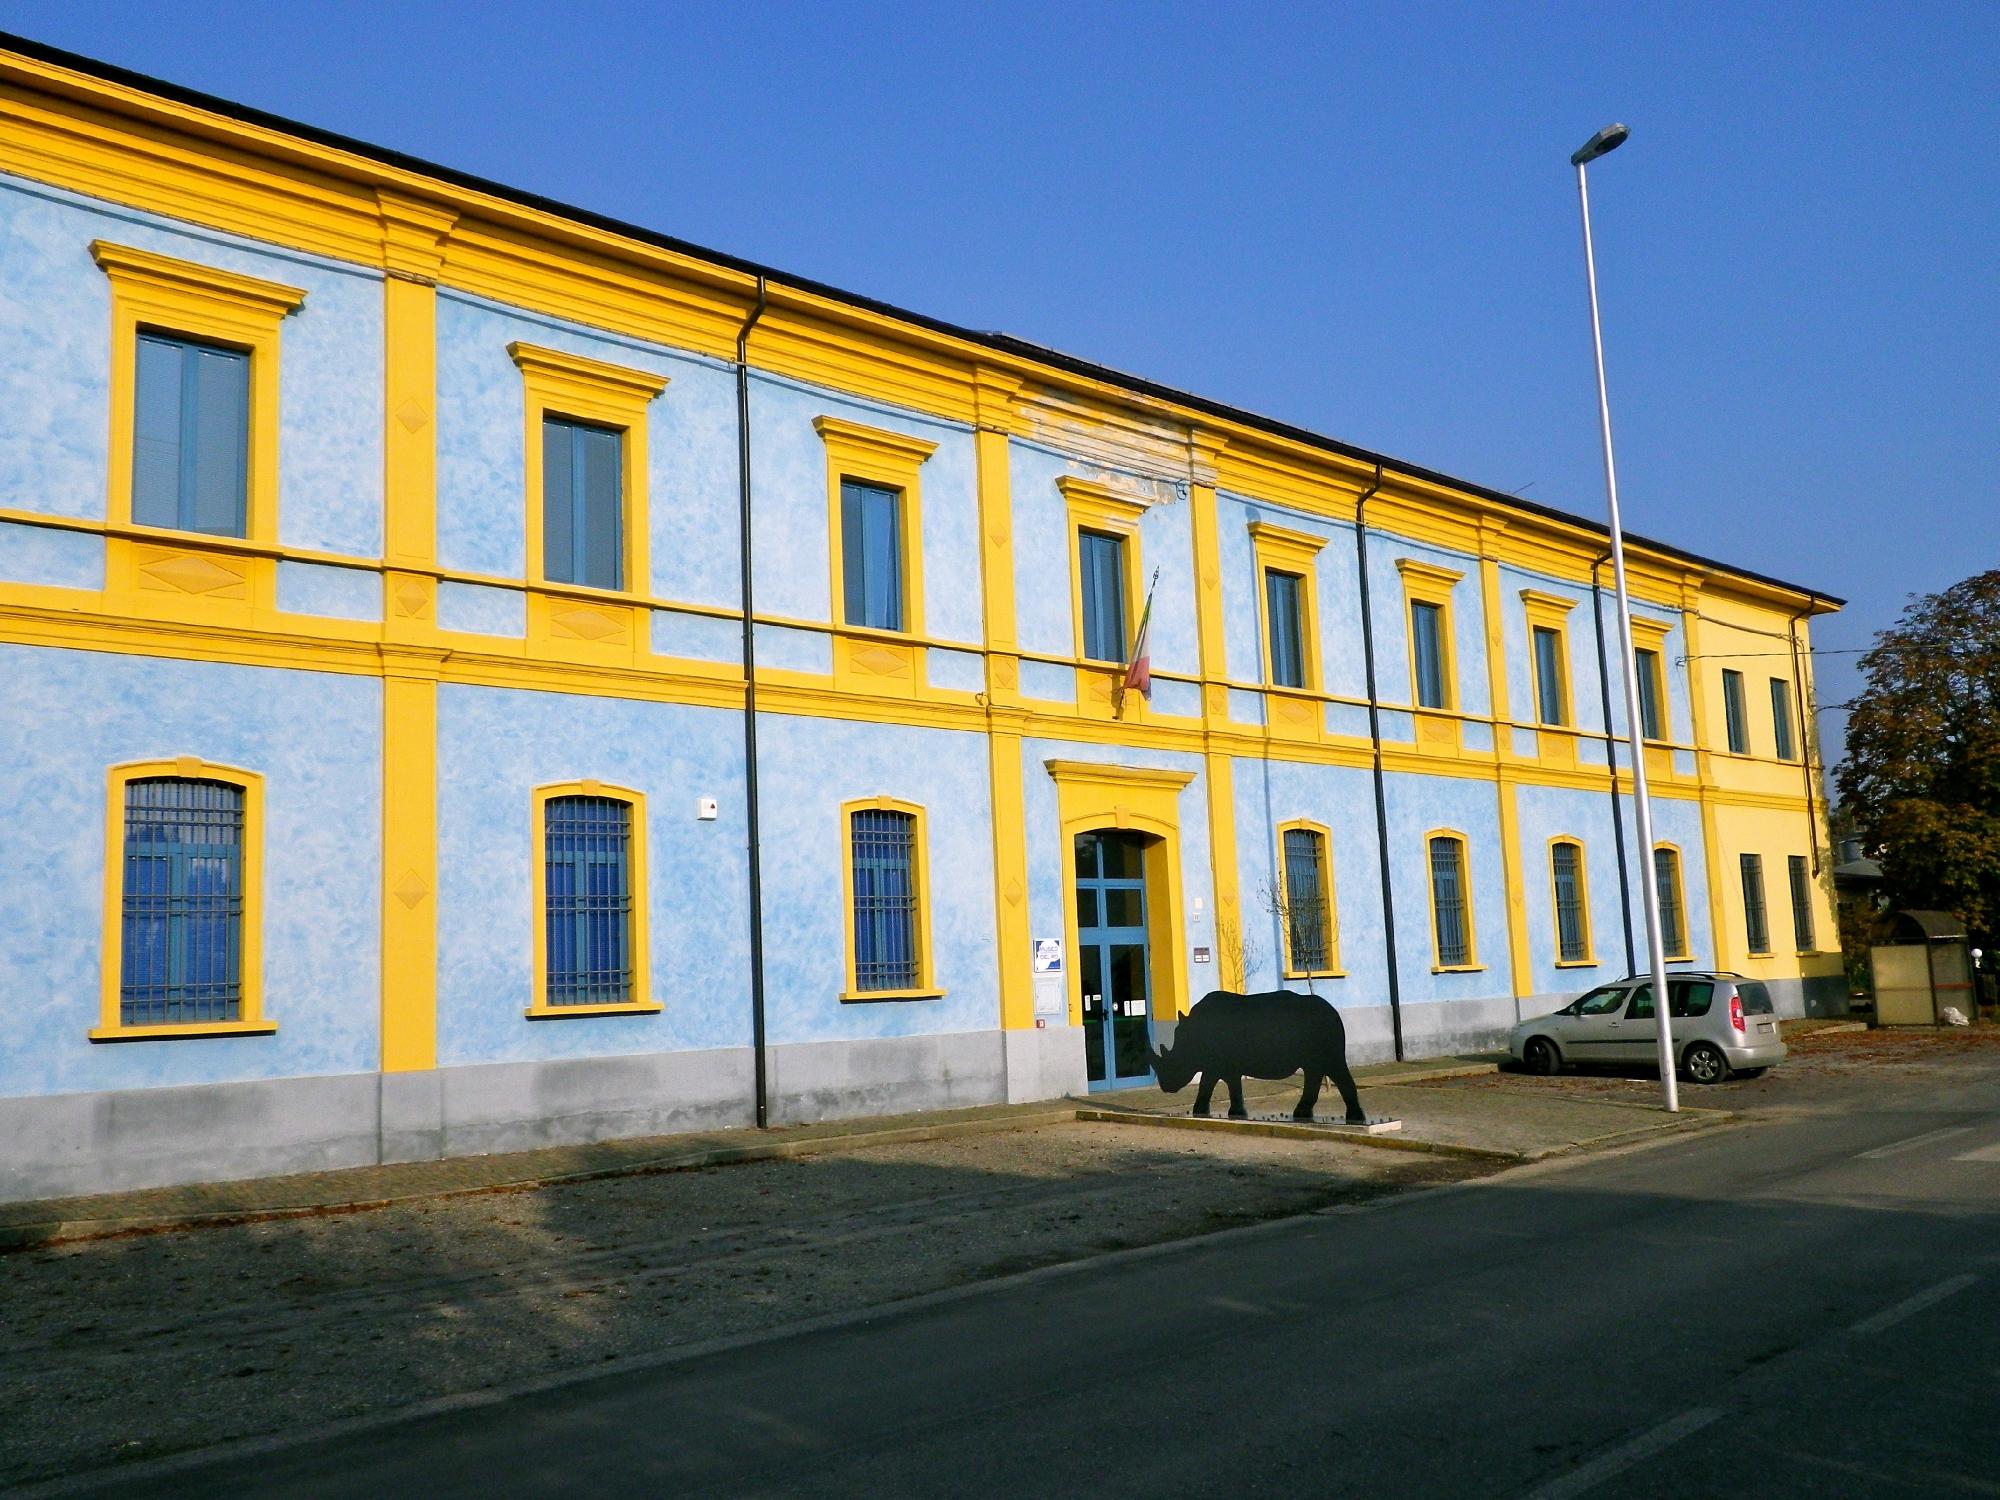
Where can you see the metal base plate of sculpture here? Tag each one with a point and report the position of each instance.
(1228, 1037)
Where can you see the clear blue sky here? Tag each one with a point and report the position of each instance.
(1359, 218)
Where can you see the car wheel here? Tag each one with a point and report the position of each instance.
(1705, 1063)
(1540, 1056)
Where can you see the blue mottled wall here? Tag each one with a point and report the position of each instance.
(66, 717)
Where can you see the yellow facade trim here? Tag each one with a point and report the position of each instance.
(1011, 927)
(1323, 856)
(866, 660)
(409, 873)
(1227, 923)
(1437, 724)
(640, 1001)
(1093, 507)
(1290, 713)
(1589, 959)
(926, 987)
(1513, 872)
(250, 1020)
(1550, 612)
(1463, 846)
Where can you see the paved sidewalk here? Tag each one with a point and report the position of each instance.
(1474, 1123)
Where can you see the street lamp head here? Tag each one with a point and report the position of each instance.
(1610, 138)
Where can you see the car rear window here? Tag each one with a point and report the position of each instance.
(1691, 997)
(1756, 999)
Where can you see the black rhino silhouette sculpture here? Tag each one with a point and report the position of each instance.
(1228, 1037)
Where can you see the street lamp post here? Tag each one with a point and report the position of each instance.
(1609, 139)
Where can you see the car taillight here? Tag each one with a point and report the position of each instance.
(1736, 1011)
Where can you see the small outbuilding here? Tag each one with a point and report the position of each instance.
(1922, 967)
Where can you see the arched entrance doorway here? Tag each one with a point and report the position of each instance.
(1113, 956)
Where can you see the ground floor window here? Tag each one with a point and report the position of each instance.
(181, 948)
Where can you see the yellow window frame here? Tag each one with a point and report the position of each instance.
(557, 384)
(895, 461)
(1093, 507)
(1472, 965)
(926, 987)
(1333, 970)
(1547, 611)
(1680, 897)
(251, 1021)
(156, 292)
(1651, 635)
(1281, 550)
(637, 935)
(1427, 583)
(1589, 959)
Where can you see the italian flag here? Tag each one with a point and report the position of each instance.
(1139, 676)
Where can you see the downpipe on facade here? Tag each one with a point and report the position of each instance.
(750, 808)
(1808, 727)
(1375, 742)
(1611, 759)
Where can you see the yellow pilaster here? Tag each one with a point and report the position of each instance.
(1228, 925)
(1722, 954)
(1520, 969)
(413, 234)
(1496, 639)
(1208, 591)
(1010, 882)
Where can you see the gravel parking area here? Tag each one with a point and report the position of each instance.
(127, 1348)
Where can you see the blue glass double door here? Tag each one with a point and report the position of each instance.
(1112, 958)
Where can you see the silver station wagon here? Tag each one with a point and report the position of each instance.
(1723, 1024)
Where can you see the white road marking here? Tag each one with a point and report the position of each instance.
(1896, 1148)
(1909, 1307)
(1618, 1460)
(1984, 1153)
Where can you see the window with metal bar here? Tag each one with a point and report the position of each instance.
(1449, 909)
(1757, 932)
(1673, 921)
(1572, 916)
(883, 847)
(1101, 560)
(181, 950)
(1427, 646)
(1551, 701)
(1735, 721)
(588, 899)
(1647, 666)
(583, 504)
(871, 554)
(1308, 932)
(191, 436)
(1283, 604)
(1781, 719)
(1802, 913)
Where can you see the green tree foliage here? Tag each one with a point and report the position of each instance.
(1922, 774)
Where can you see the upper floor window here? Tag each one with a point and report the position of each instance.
(1735, 721)
(1673, 908)
(191, 436)
(1756, 930)
(583, 504)
(1451, 902)
(1306, 902)
(1551, 679)
(871, 562)
(181, 958)
(1802, 912)
(875, 527)
(587, 468)
(889, 926)
(1781, 719)
(1652, 722)
(1285, 623)
(194, 394)
(1427, 646)
(591, 936)
(1101, 561)
(1571, 902)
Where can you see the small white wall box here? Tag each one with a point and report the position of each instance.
(704, 808)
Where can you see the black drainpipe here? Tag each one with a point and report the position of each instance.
(1808, 731)
(1611, 759)
(1375, 740)
(750, 706)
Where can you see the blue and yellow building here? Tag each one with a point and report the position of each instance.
(389, 771)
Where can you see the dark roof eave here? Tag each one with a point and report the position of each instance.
(1004, 343)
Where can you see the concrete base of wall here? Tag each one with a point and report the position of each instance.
(60, 1145)
(1046, 1063)
(1434, 1028)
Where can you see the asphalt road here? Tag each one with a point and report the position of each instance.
(1808, 1305)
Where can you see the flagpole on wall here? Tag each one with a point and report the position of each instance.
(1138, 676)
